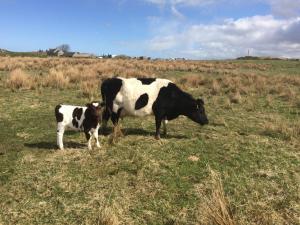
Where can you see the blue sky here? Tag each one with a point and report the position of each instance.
(197, 29)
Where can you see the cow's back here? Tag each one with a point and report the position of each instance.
(136, 95)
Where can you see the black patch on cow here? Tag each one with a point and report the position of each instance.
(109, 90)
(75, 123)
(91, 119)
(172, 102)
(77, 113)
(147, 81)
(167, 104)
(59, 116)
(141, 102)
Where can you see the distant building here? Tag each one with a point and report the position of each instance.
(55, 52)
(82, 55)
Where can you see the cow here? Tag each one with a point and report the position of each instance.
(79, 118)
(145, 96)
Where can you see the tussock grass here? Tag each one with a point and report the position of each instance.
(56, 79)
(236, 97)
(18, 79)
(214, 207)
(279, 128)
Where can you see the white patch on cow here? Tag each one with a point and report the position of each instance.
(131, 90)
(96, 104)
(67, 111)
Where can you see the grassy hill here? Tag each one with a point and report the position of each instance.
(243, 168)
(4, 52)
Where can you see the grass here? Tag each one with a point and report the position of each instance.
(243, 168)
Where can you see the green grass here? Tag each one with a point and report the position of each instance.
(139, 180)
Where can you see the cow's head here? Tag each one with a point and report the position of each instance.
(197, 112)
(95, 110)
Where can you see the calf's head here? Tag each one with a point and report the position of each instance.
(94, 110)
(197, 112)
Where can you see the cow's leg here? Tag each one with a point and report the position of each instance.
(89, 139)
(105, 117)
(115, 120)
(60, 135)
(158, 124)
(165, 126)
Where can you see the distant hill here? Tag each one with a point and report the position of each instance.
(4, 52)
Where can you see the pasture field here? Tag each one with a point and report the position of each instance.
(242, 168)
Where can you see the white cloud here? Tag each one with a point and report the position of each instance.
(176, 13)
(264, 35)
(286, 8)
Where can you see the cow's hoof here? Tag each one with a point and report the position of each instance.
(157, 137)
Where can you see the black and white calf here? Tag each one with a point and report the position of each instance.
(78, 118)
(146, 96)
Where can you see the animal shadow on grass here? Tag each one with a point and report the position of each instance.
(50, 145)
(140, 132)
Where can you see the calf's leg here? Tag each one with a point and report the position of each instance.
(89, 138)
(60, 134)
(95, 134)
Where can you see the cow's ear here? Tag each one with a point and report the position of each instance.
(200, 101)
(89, 105)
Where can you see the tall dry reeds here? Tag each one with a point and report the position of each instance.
(214, 207)
(19, 79)
(232, 79)
(56, 79)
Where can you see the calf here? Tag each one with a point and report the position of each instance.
(78, 118)
(146, 96)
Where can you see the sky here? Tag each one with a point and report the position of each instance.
(194, 29)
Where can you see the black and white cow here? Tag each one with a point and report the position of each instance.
(78, 118)
(145, 96)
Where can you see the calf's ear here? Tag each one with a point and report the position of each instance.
(200, 101)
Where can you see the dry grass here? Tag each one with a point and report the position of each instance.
(56, 79)
(89, 89)
(214, 207)
(236, 97)
(107, 217)
(215, 87)
(222, 77)
(18, 79)
(279, 128)
(193, 80)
